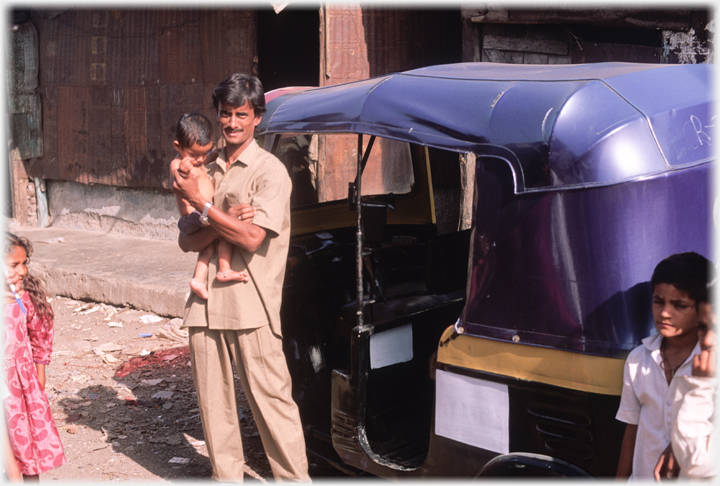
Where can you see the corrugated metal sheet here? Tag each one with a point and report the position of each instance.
(114, 82)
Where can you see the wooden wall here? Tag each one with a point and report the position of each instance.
(113, 82)
(575, 35)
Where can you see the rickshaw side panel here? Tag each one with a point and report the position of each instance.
(571, 269)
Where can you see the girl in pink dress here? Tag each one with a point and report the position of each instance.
(28, 321)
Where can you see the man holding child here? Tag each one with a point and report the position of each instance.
(240, 322)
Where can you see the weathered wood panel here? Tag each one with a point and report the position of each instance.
(525, 44)
(22, 82)
(601, 52)
(536, 45)
(113, 82)
(649, 18)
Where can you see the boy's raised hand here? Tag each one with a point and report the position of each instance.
(704, 363)
(185, 166)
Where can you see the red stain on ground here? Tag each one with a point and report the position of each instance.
(153, 359)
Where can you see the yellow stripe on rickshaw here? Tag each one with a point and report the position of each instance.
(576, 371)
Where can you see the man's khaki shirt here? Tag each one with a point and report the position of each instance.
(256, 177)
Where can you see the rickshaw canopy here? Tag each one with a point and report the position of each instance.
(558, 126)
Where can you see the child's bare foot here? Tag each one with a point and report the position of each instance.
(232, 275)
(199, 288)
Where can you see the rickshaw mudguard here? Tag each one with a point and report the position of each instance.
(518, 464)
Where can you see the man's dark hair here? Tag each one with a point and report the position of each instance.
(688, 272)
(237, 89)
(193, 128)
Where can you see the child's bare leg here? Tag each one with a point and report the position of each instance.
(12, 470)
(197, 283)
(225, 273)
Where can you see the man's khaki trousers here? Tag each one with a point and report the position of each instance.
(260, 363)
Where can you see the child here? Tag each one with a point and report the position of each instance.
(679, 284)
(34, 440)
(193, 142)
(694, 406)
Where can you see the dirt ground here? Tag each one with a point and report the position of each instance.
(120, 386)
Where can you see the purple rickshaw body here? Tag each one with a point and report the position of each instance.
(609, 171)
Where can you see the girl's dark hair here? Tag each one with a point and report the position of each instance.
(32, 285)
(238, 88)
(689, 272)
(193, 128)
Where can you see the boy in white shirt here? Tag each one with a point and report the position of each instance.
(679, 285)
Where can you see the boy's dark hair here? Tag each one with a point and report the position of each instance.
(688, 272)
(238, 88)
(193, 128)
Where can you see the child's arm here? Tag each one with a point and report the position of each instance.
(627, 450)
(41, 333)
(41, 374)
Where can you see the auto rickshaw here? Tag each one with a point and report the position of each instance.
(423, 344)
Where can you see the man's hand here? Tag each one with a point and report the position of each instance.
(187, 187)
(243, 212)
(667, 467)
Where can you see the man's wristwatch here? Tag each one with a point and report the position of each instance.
(204, 216)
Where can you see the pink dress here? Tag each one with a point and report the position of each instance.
(33, 436)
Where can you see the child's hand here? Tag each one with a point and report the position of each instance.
(704, 363)
(185, 166)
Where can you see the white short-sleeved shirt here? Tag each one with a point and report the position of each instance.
(646, 401)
